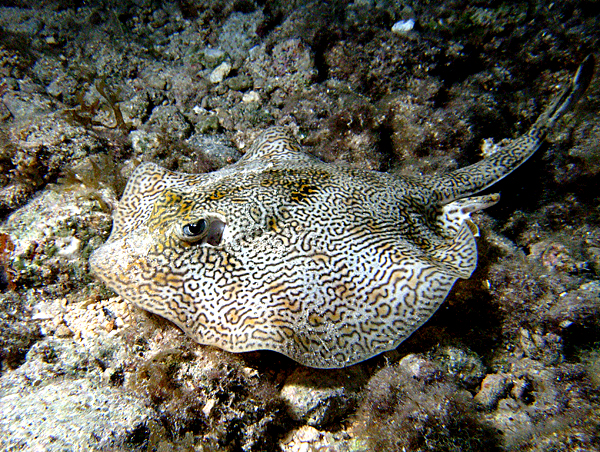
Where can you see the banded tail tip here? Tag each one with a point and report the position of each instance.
(567, 98)
(578, 86)
(584, 75)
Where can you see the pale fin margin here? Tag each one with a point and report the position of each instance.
(454, 214)
(275, 144)
(458, 257)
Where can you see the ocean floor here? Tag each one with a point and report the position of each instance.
(89, 90)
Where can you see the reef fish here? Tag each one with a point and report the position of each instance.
(327, 264)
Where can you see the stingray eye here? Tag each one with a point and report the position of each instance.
(209, 231)
(192, 232)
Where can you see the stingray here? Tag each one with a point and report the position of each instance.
(327, 264)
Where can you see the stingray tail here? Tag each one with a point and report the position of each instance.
(510, 154)
(567, 98)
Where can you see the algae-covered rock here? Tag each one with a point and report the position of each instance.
(319, 399)
(73, 415)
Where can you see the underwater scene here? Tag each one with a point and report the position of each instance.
(302, 226)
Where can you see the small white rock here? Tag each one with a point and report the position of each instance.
(403, 26)
(488, 147)
(307, 434)
(220, 72)
(250, 96)
(71, 249)
(208, 406)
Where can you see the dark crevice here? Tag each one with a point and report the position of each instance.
(454, 70)
(386, 147)
(273, 18)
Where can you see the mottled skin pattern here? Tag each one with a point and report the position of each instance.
(327, 264)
